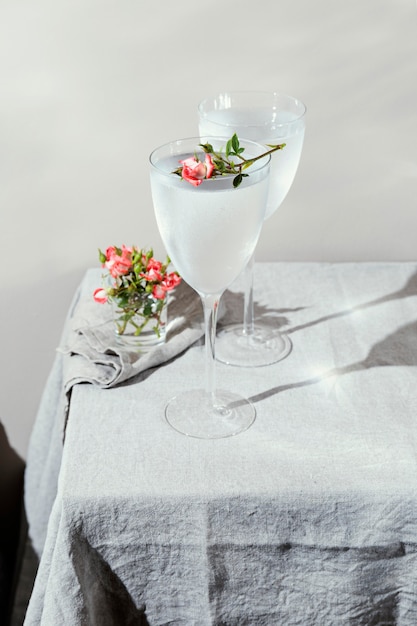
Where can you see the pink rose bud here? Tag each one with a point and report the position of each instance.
(100, 295)
(195, 172)
(158, 292)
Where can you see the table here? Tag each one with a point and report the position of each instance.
(309, 517)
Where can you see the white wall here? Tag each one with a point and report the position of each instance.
(89, 87)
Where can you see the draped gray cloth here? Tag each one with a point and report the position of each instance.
(89, 353)
(307, 518)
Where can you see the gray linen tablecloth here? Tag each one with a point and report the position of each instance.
(89, 353)
(308, 518)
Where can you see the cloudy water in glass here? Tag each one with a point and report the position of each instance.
(209, 231)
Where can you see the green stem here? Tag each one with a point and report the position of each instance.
(279, 146)
(236, 168)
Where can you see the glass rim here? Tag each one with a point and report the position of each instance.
(273, 94)
(257, 166)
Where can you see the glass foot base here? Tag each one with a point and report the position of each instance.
(264, 347)
(192, 413)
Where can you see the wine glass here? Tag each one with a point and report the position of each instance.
(267, 118)
(209, 231)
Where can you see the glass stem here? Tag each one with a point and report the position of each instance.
(210, 305)
(248, 312)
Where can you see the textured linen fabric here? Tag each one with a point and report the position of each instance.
(88, 353)
(307, 518)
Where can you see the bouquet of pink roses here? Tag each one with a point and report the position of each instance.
(136, 285)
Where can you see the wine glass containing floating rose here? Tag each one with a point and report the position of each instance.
(209, 213)
(267, 118)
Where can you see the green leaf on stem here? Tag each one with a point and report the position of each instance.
(235, 144)
(238, 179)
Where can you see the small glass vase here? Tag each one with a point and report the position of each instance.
(142, 326)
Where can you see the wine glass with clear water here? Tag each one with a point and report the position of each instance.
(210, 233)
(267, 118)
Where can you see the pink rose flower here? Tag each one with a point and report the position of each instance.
(153, 264)
(171, 281)
(152, 276)
(195, 172)
(118, 265)
(158, 292)
(100, 295)
(110, 252)
(153, 270)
